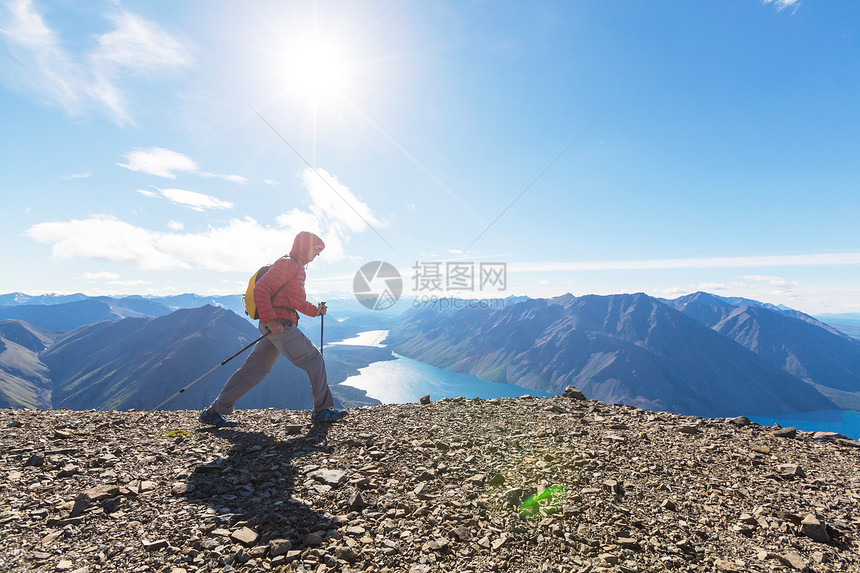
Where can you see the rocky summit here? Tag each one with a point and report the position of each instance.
(525, 484)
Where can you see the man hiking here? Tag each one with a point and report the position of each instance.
(278, 294)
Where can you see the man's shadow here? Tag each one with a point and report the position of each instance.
(254, 487)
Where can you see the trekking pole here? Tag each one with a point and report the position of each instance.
(322, 324)
(207, 374)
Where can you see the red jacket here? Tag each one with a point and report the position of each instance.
(288, 275)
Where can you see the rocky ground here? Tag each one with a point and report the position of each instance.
(525, 484)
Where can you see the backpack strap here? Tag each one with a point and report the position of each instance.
(280, 288)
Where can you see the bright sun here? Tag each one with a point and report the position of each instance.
(319, 69)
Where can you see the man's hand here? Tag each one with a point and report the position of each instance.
(321, 308)
(275, 326)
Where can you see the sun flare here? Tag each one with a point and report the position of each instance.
(319, 69)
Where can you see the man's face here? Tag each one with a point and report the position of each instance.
(314, 253)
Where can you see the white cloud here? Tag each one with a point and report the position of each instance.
(240, 245)
(271, 182)
(834, 259)
(334, 213)
(147, 193)
(84, 175)
(332, 200)
(39, 66)
(783, 4)
(159, 161)
(139, 46)
(75, 82)
(778, 285)
(194, 200)
(166, 163)
(105, 238)
(175, 225)
(100, 276)
(130, 283)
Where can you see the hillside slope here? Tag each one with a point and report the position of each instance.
(631, 349)
(139, 362)
(428, 489)
(795, 342)
(24, 379)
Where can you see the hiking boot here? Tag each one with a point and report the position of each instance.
(213, 418)
(328, 415)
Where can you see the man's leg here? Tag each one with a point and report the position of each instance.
(256, 366)
(299, 350)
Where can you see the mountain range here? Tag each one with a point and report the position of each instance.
(138, 361)
(700, 354)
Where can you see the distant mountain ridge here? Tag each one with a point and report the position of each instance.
(70, 315)
(19, 298)
(136, 362)
(796, 342)
(710, 309)
(699, 354)
(633, 349)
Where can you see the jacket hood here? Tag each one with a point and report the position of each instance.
(302, 245)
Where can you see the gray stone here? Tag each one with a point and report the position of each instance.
(789, 432)
(329, 477)
(35, 460)
(812, 528)
(573, 393)
(155, 545)
(356, 501)
(612, 487)
(245, 536)
(827, 436)
(111, 505)
(279, 547)
(726, 566)
(794, 561)
(516, 496)
(461, 533)
(790, 471)
(99, 493)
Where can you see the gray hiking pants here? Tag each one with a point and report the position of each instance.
(293, 344)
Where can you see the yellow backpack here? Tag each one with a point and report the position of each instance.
(248, 299)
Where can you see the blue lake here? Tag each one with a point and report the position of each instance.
(406, 380)
(841, 421)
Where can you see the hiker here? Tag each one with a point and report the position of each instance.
(278, 294)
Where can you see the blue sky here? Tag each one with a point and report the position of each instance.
(592, 147)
